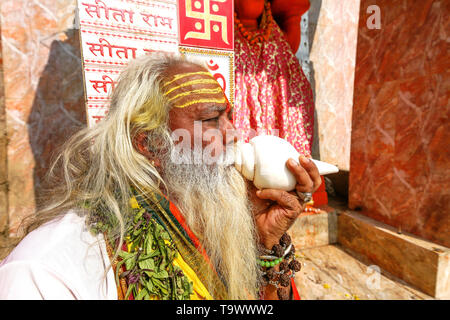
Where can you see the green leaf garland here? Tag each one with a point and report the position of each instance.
(149, 268)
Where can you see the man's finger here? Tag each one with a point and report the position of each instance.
(312, 171)
(304, 181)
(283, 198)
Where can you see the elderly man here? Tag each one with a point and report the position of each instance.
(130, 217)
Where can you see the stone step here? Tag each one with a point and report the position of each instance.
(331, 273)
(315, 229)
(422, 264)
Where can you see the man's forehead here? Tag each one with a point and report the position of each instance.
(182, 68)
(190, 85)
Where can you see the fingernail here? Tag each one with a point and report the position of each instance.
(305, 159)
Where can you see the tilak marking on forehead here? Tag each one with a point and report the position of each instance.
(200, 94)
(192, 82)
(187, 74)
(210, 100)
(198, 91)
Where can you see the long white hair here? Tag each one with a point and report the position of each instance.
(98, 166)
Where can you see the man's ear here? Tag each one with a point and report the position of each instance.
(140, 143)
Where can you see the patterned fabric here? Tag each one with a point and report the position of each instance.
(188, 246)
(272, 91)
(176, 227)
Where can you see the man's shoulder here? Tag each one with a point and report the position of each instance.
(60, 254)
(63, 235)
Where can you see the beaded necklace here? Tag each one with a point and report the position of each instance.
(263, 33)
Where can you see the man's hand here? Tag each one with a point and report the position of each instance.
(276, 210)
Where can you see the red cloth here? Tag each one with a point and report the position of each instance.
(320, 197)
(272, 92)
(177, 214)
(287, 13)
(294, 290)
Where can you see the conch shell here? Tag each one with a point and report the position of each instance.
(263, 161)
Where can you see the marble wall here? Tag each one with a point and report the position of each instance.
(44, 98)
(3, 147)
(399, 163)
(333, 30)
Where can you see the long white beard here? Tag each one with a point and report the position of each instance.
(213, 199)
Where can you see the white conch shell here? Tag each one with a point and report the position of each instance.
(263, 161)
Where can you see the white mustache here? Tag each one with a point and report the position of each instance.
(199, 156)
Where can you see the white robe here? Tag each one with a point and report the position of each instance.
(59, 260)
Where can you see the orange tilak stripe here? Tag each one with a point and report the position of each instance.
(190, 103)
(189, 83)
(188, 74)
(198, 91)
